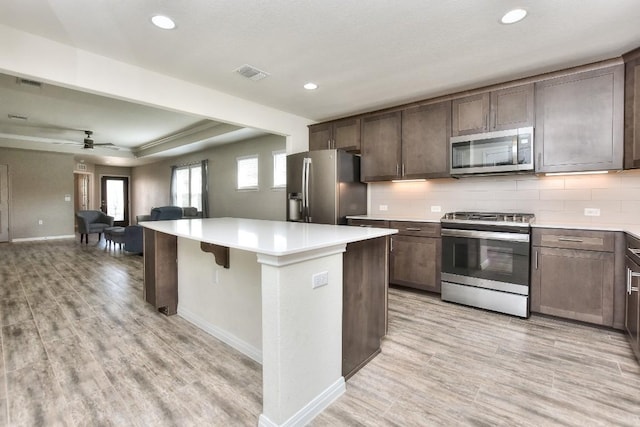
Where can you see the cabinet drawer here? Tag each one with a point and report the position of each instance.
(589, 240)
(420, 229)
(368, 223)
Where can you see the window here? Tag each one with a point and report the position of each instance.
(189, 186)
(247, 172)
(279, 169)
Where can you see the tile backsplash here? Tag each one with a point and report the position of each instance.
(552, 199)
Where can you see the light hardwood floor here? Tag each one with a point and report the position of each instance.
(80, 347)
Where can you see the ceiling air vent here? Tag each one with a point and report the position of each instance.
(252, 73)
(17, 117)
(28, 82)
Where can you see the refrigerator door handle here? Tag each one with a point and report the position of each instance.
(305, 187)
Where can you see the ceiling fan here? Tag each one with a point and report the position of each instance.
(90, 144)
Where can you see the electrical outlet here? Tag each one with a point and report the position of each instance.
(591, 212)
(436, 208)
(40, 222)
(383, 207)
(320, 279)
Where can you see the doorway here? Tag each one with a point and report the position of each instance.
(4, 203)
(115, 198)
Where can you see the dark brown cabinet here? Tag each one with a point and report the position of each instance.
(425, 141)
(579, 121)
(573, 274)
(501, 109)
(415, 252)
(632, 297)
(408, 144)
(364, 307)
(341, 135)
(415, 257)
(381, 147)
(632, 110)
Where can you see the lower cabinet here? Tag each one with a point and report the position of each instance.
(415, 252)
(416, 255)
(632, 297)
(574, 276)
(364, 307)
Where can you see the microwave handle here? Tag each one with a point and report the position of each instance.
(515, 150)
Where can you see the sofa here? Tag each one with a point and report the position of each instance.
(133, 235)
(90, 222)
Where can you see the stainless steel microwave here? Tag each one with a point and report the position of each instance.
(492, 152)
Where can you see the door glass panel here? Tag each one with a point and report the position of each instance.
(486, 259)
(487, 152)
(115, 198)
(196, 187)
(182, 187)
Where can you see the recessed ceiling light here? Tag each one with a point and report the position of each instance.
(310, 86)
(513, 16)
(163, 22)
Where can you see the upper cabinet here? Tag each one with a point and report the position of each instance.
(579, 121)
(408, 144)
(381, 147)
(491, 111)
(425, 141)
(341, 134)
(632, 110)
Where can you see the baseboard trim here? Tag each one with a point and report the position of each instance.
(311, 409)
(34, 239)
(224, 336)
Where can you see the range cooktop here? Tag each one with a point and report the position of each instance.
(498, 218)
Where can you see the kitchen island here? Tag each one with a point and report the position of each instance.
(274, 291)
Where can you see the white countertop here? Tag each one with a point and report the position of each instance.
(277, 238)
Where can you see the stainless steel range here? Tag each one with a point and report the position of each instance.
(486, 260)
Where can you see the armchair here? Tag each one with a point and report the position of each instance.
(92, 222)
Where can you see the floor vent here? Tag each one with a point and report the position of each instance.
(252, 73)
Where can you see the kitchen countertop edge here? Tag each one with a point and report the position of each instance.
(633, 230)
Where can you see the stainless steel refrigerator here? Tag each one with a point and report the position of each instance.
(324, 187)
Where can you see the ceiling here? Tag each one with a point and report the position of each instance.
(363, 55)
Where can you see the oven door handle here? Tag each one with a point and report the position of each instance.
(488, 235)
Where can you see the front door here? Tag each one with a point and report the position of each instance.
(4, 204)
(115, 198)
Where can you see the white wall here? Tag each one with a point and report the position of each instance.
(559, 199)
(150, 183)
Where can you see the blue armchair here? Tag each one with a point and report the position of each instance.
(92, 222)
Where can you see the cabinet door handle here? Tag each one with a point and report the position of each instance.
(486, 121)
(536, 259)
(413, 229)
(397, 169)
(403, 169)
(328, 144)
(494, 116)
(366, 225)
(570, 239)
(391, 248)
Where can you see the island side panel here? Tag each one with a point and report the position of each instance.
(302, 339)
(160, 271)
(365, 289)
(227, 303)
